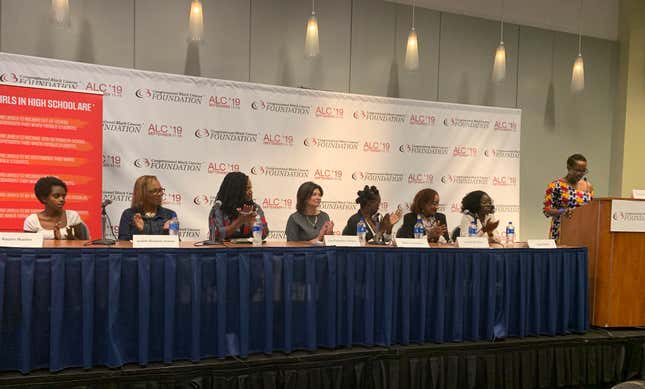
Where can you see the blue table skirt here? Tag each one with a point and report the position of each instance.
(87, 307)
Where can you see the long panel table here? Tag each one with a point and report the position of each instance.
(83, 307)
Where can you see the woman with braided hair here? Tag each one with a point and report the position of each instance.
(378, 228)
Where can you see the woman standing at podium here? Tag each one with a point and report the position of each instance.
(565, 194)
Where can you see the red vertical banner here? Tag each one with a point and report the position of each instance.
(49, 132)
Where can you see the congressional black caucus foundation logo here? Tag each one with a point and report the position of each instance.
(387, 117)
(628, 216)
(171, 165)
(502, 154)
(424, 149)
(49, 82)
(204, 200)
(169, 96)
(122, 127)
(332, 144)
(226, 135)
(276, 107)
(457, 122)
(469, 180)
(377, 177)
(273, 171)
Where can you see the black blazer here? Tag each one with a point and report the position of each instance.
(410, 219)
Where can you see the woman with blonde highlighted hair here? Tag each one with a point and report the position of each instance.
(146, 216)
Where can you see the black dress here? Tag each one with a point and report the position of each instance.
(410, 219)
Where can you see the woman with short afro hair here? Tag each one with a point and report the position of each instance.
(54, 222)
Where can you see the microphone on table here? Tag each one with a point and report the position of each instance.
(105, 222)
(212, 242)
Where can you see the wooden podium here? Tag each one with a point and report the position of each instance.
(616, 265)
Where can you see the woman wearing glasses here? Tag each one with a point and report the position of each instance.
(567, 193)
(146, 216)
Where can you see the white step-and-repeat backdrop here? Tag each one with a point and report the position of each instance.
(191, 131)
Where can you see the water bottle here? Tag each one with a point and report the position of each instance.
(173, 226)
(472, 228)
(361, 231)
(419, 230)
(510, 233)
(257, 231)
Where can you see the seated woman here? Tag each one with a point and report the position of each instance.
(478, 206)
(379, 229)
(235, 216)
(425, 205)
(146, 216)
(308, 223)
(54, 222)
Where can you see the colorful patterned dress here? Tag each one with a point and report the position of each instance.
(562, 195)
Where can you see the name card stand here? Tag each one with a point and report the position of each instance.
(342, 240)
(542, 244)
(472, 242)
(412, 243)
(638, 194)
(155, 241)
(21, 239)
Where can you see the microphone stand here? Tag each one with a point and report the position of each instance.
(105, 220)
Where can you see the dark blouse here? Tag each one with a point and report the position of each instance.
(151, 225)
(218, 220)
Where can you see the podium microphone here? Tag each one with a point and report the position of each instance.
(212, 242)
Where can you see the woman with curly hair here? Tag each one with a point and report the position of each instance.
(54, 222)
(234, 218)
(424, 207)
(477, 206)
(379, 227)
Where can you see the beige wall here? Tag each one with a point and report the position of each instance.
(629, 132)
(362, 48)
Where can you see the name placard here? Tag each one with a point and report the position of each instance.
(155, 241)
(21, 239)
(412, 243)
(638, 194)
(342, 240)
(472, 242)
(542, 244)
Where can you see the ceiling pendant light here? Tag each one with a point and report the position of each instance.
(412, 47)
(196, 22)
(312, 47)
(578, 71)
(60, 13)
(499, 66)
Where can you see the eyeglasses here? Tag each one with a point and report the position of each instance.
(583, 171)
(157, 191)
